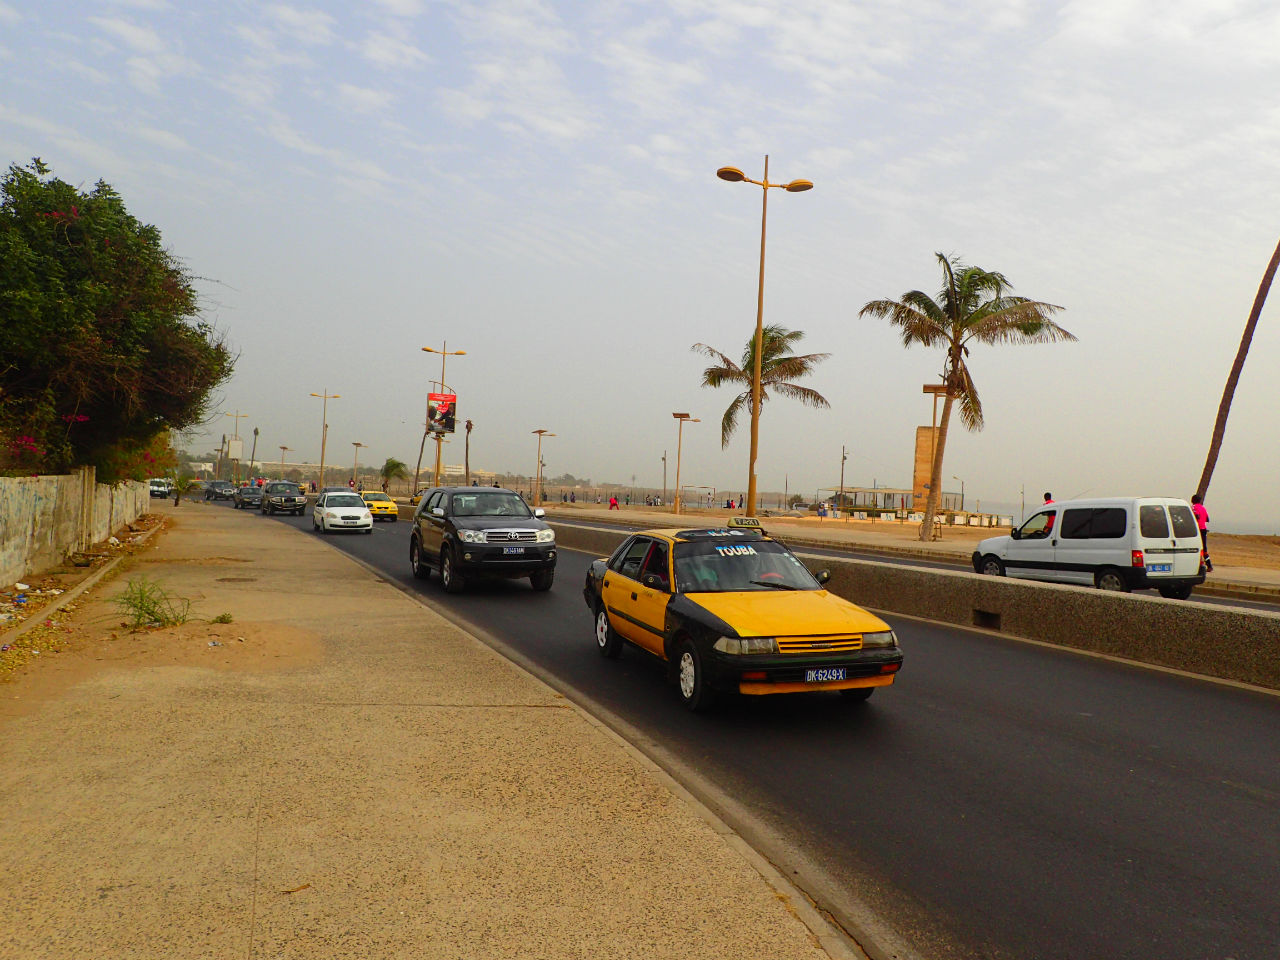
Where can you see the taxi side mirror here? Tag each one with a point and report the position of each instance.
(654, 582)
(822, 576)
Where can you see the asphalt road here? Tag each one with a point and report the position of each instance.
(1002, 799)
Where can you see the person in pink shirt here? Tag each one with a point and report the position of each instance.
(1202, 521)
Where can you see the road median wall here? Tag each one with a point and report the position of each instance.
(1219, 641)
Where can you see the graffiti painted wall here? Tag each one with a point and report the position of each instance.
(42, 519)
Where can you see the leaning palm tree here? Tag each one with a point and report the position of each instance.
(393, 469)
(973, 306)
(778, 367)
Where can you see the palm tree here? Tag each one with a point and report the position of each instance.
(973, 306)
(393, 469)
(1229, 392)
(778, 367)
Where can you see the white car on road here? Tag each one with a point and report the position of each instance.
(341, 511)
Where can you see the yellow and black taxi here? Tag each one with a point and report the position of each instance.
(380, 505)
(733, 610)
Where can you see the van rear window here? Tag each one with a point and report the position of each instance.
(1094, 523)
(1184, 521)
(1152, 521)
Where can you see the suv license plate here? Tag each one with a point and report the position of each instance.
(1159, 568)
(513, 549)
(824, 674)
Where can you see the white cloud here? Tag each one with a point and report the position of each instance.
(141, 39)
(362, 99)
(161, 138)
(8, 14)
(402, 8)
(307, 26)
(390, 52)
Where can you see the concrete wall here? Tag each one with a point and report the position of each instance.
(1218, 641)
(42, 519)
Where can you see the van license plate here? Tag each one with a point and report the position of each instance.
(1159, 568)
(513, 549)
(824, 674)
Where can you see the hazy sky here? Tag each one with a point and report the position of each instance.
(534, 182)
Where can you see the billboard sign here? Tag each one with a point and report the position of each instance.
(441, 412)
(235, 449)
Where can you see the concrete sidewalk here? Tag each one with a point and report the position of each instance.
(346, 774)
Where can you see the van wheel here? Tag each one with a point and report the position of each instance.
(992, 567)
(1180, 592)
(1109, 578)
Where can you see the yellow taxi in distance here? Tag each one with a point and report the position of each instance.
(380, 505)
(734, 610)
(417, 497)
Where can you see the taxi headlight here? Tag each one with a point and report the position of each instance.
(546, 536)
(472, 536)
(746, 645)
(882, 640)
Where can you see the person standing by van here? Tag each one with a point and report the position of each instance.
(1048, 498)
(1202, 520)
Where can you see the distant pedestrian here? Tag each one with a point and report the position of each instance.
(1048, 499)
(613, 503)
(1202, 521)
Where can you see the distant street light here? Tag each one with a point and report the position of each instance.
(682, 417)
(843, 457)
(445, 353)
(355, 466)
(283, 450)
(236, 418)
(537, 486)
(325, 396)
(734, 175)
(954, 477)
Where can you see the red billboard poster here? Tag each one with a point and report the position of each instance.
(441, 412)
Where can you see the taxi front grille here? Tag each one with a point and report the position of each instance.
(839, 643)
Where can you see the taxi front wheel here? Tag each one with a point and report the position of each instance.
(607, 640)
(691, 676)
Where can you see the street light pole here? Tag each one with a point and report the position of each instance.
(843, 457)
(283, 450)
(445, 353)
(954, 477)
(734, 175)
(355, 466)
(681, 418)
(236, 418)
(537, 486)
(664, 476)
(325, 397)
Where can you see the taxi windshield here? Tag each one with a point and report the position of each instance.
(495, 504)
(375, 496)
(732, 565)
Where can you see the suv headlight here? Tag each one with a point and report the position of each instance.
(746, 645)
(546, 536)
(882, 640)
(472, 536)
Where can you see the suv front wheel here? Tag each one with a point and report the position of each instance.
(449, 577)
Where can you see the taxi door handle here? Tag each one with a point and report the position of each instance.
(633, 596)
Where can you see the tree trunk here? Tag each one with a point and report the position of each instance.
(418, 469)
(935, 473)
(1224, 408)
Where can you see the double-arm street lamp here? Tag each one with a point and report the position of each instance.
(283, 451)
(445, 353)
(324, 431)
(682, 417)
(537, 484)
(236, 418)
(734, 175)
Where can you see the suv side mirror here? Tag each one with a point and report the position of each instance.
(437, 512)
(539, 513)
(822, 576)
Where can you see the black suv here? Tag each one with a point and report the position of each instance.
(219, 490)
(469, 532)
(250, 496)
(283, 497)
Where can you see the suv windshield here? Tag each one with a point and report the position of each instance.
(496, 503)
(284, 489)
(719, 567)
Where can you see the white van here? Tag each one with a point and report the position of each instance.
(1119, 543)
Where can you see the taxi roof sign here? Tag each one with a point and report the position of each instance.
(751, 522)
